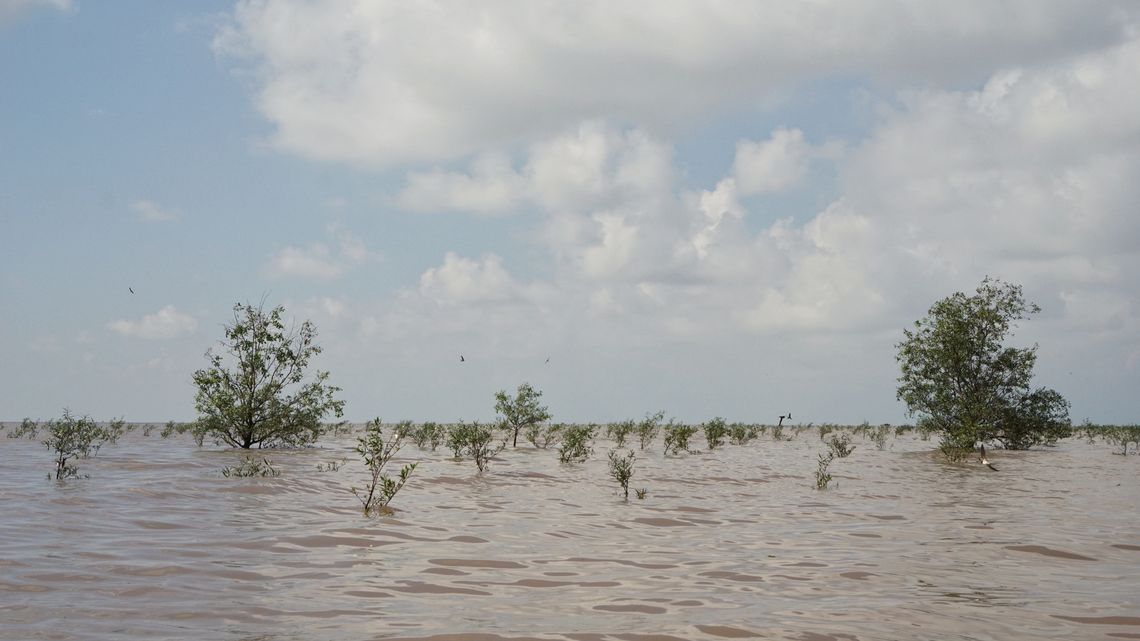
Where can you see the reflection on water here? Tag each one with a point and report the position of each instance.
(730, 544)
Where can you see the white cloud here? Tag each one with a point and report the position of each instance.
(462, 280)
(150, 212)
(164, 324)
(318, 261)
(771, 165)
(492, 187)
(380, 83)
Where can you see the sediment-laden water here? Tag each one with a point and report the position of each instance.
(734, 543)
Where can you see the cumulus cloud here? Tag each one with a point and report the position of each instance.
(463, 280)
(319, 261)
(150, 212)
(164, 324)
(382, 83)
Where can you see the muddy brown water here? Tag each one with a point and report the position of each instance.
(730, 544)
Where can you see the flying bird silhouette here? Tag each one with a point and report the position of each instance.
(461, 359)
(547, 359)
(984, 461)
(130, 290)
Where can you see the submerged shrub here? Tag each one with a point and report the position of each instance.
(251, 466)
(648, 428)
(621, 468)
(741, 434)
(822, 476)
(677, 437)
(880, 435)
(715, 432)
(576, 443)
(1122, 436)
(778, 433)
(543, 436)
(479, 443)
(331, 466)
(618, 432)
(71, 438)
(840, 445)
(825, 429)
(429, 435)
(376, 453)
(457, 438)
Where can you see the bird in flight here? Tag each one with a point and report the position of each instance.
(548, 360)
(984, 461)
(461, 359)
(130, 290)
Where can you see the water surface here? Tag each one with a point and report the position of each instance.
(734, 543)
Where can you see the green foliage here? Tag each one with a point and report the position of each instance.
(429, 435)
(840, 445)
(381, 488)
(677, 437)
(739, 433)
(822, 476)
(1121, 436)
(715, 432)
(619, 431)
(825, 429)
(880, 435)
(621, 468)
(404, 429)
(255, 392)
(648, 428)
(457, 437)
(250, 467)
(778, 433)
(543, 436)
(641, 493)
(521, 411)
(477, 441)
(577, 442)
(963, 383)
(71, 438)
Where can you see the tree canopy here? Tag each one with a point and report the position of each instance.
(254, 393)
(959, 378)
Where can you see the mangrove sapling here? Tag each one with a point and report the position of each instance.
(576, 443)
(824, 430)
(543, 436)
(740, 433)
(521, 411)
(617, 432)
(457, 437)
(641, 492)
(250, 467)
(648, 428)
(822, 476)
(481, 444)
(621, 468)
(428, 436)
(71, 438)
(376, 454)
(840, 445)
(404, 429)
(715, 431)
(880, 435)
(778, 433)
(1121, 436)
(677, 437)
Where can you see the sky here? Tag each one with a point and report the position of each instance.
(721, 208)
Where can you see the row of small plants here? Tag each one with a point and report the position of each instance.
(71, 438)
